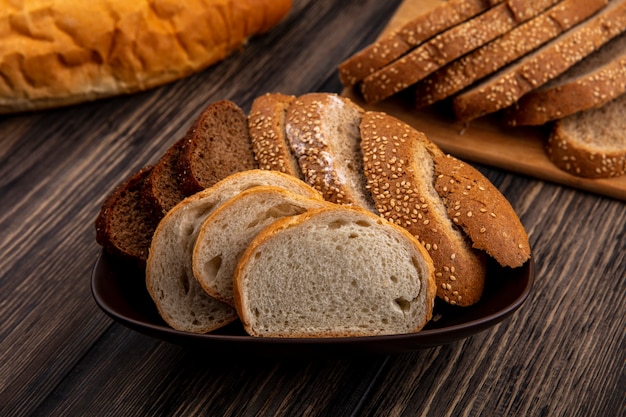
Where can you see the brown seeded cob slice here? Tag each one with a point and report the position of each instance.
(489, 58)
(124, 226)
(591, 143)
(216, 146)
(438, 16)
(448, 46)
(596, 80)
(266, 123)
(508, 85)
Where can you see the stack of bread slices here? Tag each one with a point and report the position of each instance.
(309, 217)
(556, 62)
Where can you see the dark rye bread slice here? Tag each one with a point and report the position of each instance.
(508, 85)
(323, 132)
(266, 124)
(489, 58)
(217, 145)
(596, 80)
(448, 205)
(162, 189)
(437, 16)
(448, 46)
(591, 143)
(124, 226)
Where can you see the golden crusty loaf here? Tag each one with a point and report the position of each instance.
(266, 123)
(503, 50)
(591, 143)
(596, 80)
(334, 272)
(179, 298)
(228, 231)
(438, 16)
(504, 88)
(449, 206)
(448, 46)
(64, 52)
(323, 132)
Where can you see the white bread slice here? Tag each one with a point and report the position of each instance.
(180, 300)
(334, 272)
(266, 124)
(503, 50)
(591, 143)
(227, 232)
(508, 85)
(323, 132)
(437, 16)
(591, 83)
(448, 46)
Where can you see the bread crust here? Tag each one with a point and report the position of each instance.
(504, 88)
(446, 47)
(516, 43)
(67, 52)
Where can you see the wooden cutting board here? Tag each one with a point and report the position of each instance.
(485, 140)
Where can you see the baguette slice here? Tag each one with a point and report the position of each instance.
(448, 46)
(489, 58)
(323, 132)
(591, 143)
(179, 298)
(438, 16)
(227, 232)
(504, 88)
(596, 80)
(267, 131)
(334, 272)
(216, 146)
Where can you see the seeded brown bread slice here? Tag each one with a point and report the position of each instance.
(162, 189)
(216, 146)
(596, 80)
(267, 131)
(438, 16)
(179, 298)
(448, 46)
(591, 143)
(508, 85)
(228, 231)
(400, 173)
(124, 226)
(503, 50)
(323, 132)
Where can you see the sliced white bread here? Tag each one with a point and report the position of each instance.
(228, 231)
(179, 298)
(323, 132)
(508, 85)
(266, 123)
(591, 83)
(448, 46)
(503, 50)
(437, 16)
(591, 143)
(445, 204)
(334, 272)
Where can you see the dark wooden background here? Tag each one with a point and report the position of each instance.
(561, 354)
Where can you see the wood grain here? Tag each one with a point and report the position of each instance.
(560, 354)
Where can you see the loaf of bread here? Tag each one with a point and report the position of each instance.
(591, 143)
(64, 52)
(227, 232)
(334, 272)
(591, 83)
(179, 298)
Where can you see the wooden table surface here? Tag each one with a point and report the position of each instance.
(562, 354)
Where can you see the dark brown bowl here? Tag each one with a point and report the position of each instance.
(119, 289)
